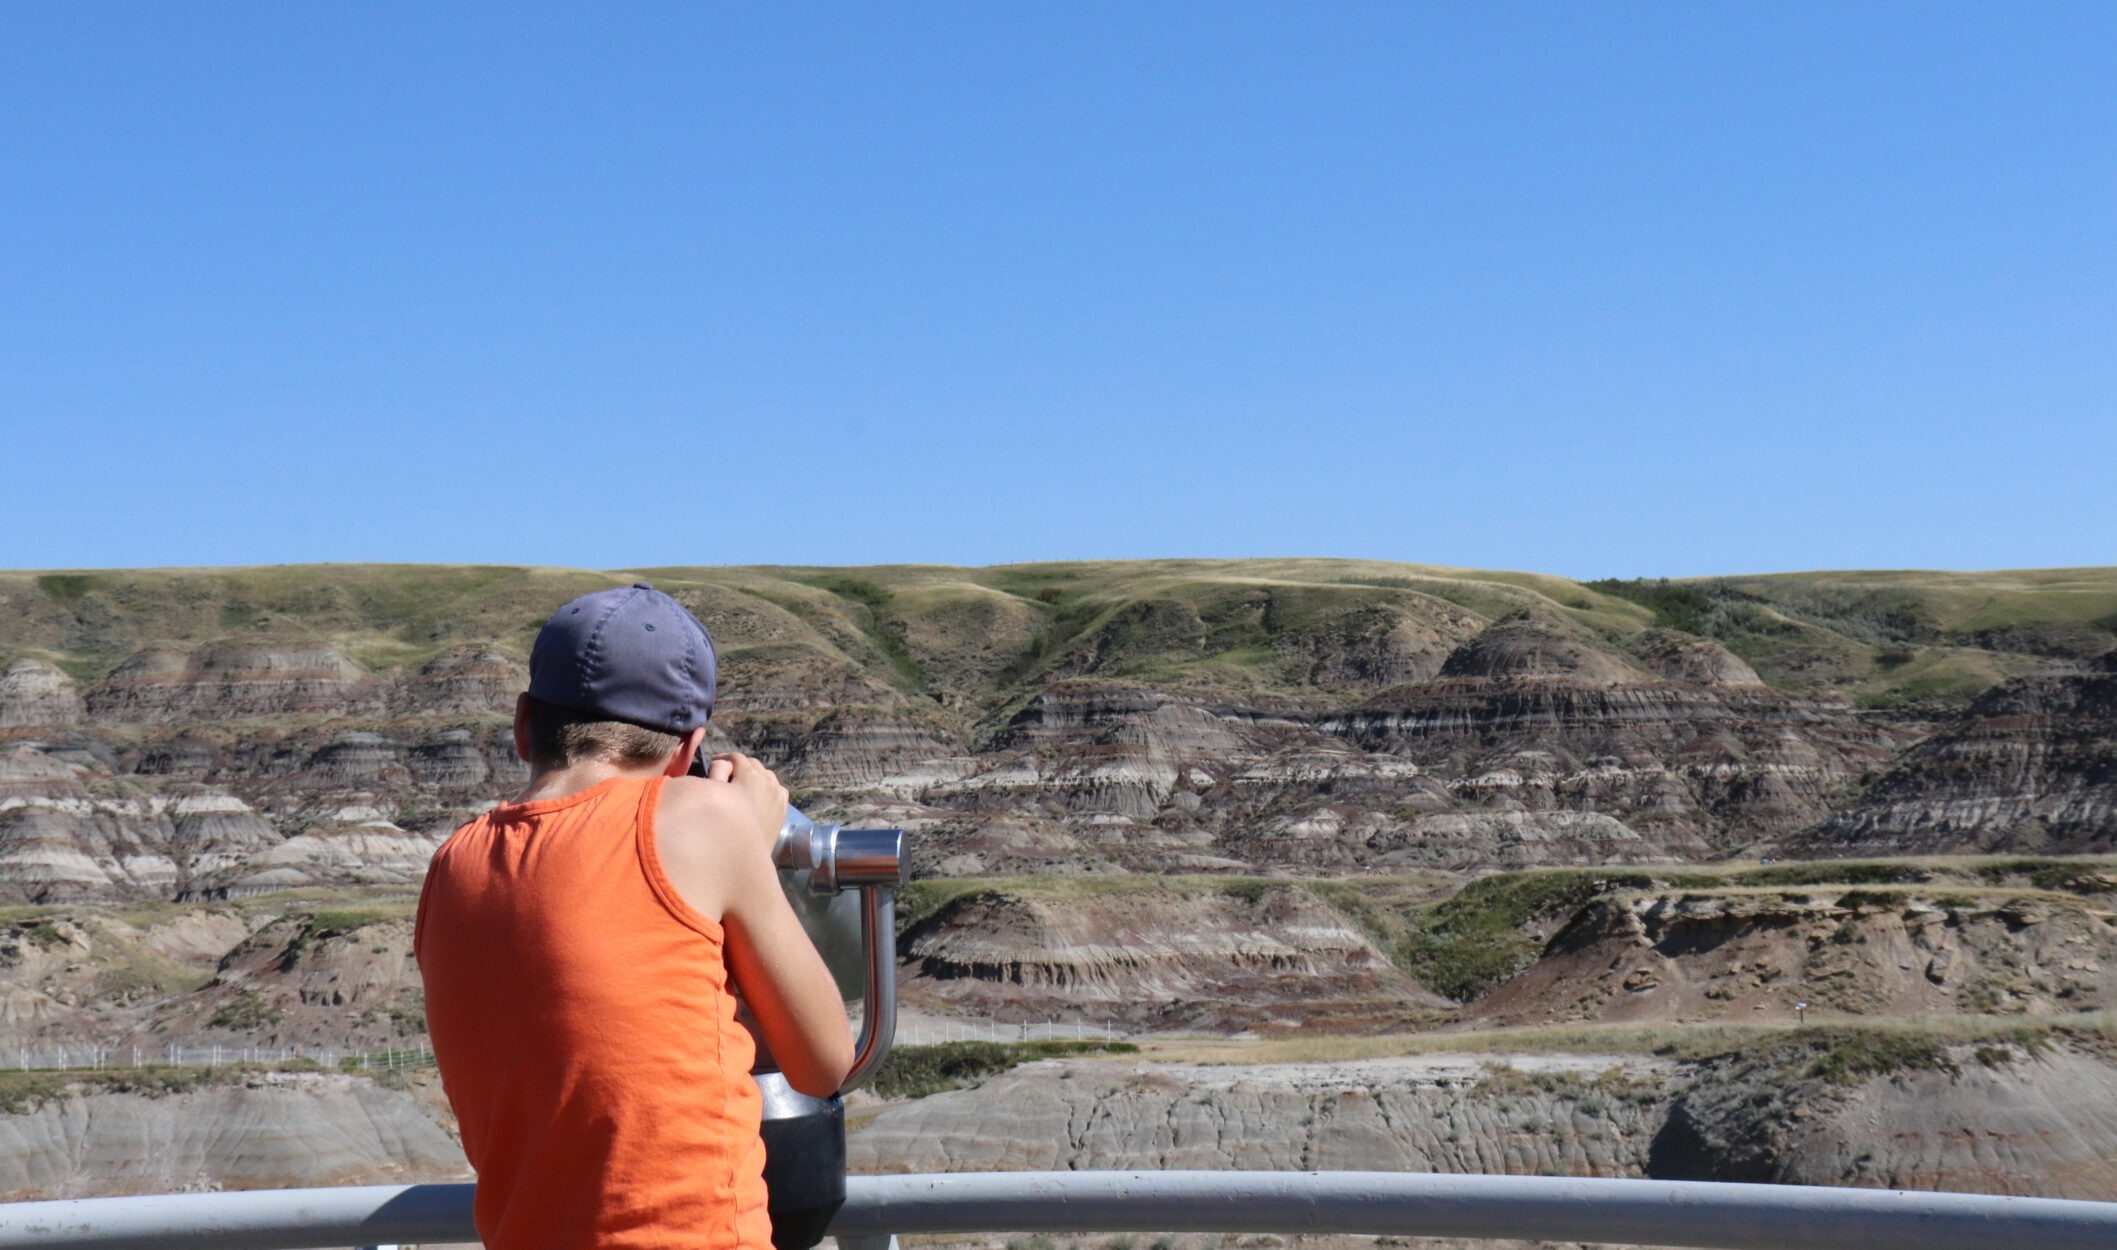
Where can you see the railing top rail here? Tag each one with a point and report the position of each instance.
(1662, 1213)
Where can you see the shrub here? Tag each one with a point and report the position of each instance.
(916, 1071)
(42, 932)
(1472, 941)
(1853, 900)
(246, 1011)
(1676, 605)
(1852, 1057)
(1834, 874)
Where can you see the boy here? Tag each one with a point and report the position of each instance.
(580, 944)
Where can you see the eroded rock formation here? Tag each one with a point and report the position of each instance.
(2032, 766)
(2016, 1121)
(261, 1131)
(1251, 957)
(1240, 717)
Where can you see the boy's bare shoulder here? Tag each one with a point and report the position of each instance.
(714, 801)
(702, 812)
(707, 839)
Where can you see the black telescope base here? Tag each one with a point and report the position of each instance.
(804, 1170)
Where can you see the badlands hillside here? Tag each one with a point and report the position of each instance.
(209, 734)
(1466, 870)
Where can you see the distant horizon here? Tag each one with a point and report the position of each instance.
(63, 570)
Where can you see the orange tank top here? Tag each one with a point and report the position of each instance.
(585, 1029)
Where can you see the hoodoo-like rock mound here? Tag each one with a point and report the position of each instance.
(1526, 649)
(63, 836)
(232, 681)
(1166, 958)
(213, 836)
(1685, 657)
(461, 684)
(2031, 767)
(458, 760)
(870, 748)
(35, 693)
(1375, 647)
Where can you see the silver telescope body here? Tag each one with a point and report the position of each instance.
(842, 885)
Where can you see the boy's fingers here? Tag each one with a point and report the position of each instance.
(721, 769)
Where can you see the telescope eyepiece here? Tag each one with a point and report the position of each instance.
(837, 858)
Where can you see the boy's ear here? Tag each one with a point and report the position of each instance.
(680, 763)
(522, 727)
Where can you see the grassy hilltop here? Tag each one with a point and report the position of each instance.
(977, 635)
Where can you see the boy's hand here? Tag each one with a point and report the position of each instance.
(757, 783)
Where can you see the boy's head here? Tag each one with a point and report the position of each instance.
(624, 675)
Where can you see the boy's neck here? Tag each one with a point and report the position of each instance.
(559, 783)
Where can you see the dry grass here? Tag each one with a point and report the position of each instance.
(1679, 1041)
(981, 632)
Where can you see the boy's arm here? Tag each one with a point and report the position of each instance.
(715, 836)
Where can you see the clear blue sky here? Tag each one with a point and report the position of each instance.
(1588, 289)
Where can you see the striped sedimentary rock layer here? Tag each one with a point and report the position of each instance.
(1429, 741)
(1252, 957)
(2032, 766)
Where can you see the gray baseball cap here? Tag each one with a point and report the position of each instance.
(630, 653)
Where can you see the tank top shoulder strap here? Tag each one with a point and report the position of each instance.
(650, 798)
(650, 858)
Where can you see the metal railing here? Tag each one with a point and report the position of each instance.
(1658, 1213)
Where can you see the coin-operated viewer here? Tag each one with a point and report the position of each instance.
(581, 945)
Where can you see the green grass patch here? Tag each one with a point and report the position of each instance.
(1851, 1057)
(1850, 872)
(1248, 889)
(916, 1071)
(2068, 876)
(245, 1012)
(66, 589)
(330, 924)
(43, 933)
(23, 1092)
(1676, 605)
(874, 598)
(919, 901)
(1853, 900)
(1486, 933)
(886, 633)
